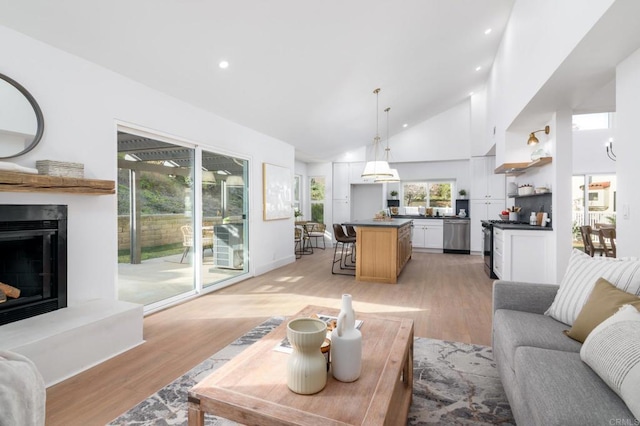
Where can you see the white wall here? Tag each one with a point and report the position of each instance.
(628, 152)
(81, 103)
(443, 137)
(433, 170)
(589, 152)
(539, 36)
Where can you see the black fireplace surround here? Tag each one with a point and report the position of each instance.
(33, 258)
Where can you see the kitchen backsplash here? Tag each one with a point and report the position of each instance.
(534, 203)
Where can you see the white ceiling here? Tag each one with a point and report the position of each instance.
(300, 71)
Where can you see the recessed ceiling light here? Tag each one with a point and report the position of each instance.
(405, 125)
(478, 68)
(487, 31)
(223, 64)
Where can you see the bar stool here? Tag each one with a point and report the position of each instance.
(346, 250)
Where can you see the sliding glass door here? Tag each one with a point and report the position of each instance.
(182, 219)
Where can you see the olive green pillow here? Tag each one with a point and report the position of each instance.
(604, 301)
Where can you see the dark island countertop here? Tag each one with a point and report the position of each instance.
(393, 223)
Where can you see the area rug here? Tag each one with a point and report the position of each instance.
(454, 384)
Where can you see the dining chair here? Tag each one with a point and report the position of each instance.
(589, 246)
(346, 244)
(298, 242)
(608, 241)
(318, 231)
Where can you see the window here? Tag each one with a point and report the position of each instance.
(296, 193)
(432, 194)
(316, 187)
(591, 121)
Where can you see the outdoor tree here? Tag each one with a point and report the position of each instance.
(414, 193)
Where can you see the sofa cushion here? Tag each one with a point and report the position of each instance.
(582, 273)
(513, 329)
(604, 301)
(560, 389)
(612, 350)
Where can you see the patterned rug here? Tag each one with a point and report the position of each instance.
(454, 384)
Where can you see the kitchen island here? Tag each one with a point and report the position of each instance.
(382, 249)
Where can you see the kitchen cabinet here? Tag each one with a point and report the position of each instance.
(482, 210)
(341, 184)
(428, 234)
(487, 197)
(341, 211)
(485, 184)
(523, 255)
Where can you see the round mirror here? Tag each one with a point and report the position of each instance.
(21, 121)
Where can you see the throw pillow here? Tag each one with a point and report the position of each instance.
(581, 275)
(604, 301)
(612, 350)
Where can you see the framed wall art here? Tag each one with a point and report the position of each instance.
(277, 191)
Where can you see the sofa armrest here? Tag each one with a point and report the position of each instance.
(525, 297)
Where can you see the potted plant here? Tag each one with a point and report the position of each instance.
(297, 213)
(462, 193)
(394, 195)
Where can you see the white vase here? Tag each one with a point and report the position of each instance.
(307, 366)
(346, 344)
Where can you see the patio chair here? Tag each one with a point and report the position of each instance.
(608, 241)
(590, 247)
(187, 240)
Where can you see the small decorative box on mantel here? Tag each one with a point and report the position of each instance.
(60, 168)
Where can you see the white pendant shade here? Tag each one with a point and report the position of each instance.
(395, 177)
(376, 169)
(235, 181)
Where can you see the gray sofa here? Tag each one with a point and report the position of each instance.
(543, 376)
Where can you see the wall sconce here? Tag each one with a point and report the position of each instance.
(532, 136)
(610, 153)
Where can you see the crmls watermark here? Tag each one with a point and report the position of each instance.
(624, 422)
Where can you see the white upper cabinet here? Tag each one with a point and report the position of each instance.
(341, 184)
(485, 184)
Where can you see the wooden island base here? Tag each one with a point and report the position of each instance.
(382, 249)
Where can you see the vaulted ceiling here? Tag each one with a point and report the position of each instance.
(300, 71)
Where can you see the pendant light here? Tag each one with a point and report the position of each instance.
(376, 168)
(395, 177)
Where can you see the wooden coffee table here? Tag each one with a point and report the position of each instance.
(252, 387)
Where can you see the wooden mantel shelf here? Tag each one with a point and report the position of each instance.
(25, 182)
(519, 168)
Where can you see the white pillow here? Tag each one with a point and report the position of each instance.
(581, 276)
(612, 350)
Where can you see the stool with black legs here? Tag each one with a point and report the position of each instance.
(346, 244)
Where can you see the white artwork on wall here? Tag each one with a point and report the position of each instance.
(277, 191)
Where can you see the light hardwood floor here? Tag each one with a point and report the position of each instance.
(448, 297)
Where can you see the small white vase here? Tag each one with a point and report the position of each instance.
(346, 344)
(307, 366)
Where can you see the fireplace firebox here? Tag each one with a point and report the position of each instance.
(33, 260)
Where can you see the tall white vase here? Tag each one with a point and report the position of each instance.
(307, 366)
(346, 344)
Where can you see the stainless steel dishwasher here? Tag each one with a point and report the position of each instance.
(456, 236)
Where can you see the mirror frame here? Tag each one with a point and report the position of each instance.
(36, 110)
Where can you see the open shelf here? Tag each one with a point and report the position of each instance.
(519, 168)
(527, 196)
(26, 182)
